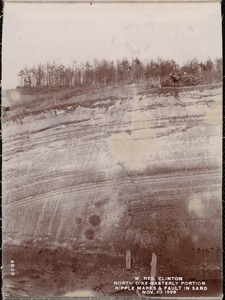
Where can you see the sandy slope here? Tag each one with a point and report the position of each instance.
(108, 171)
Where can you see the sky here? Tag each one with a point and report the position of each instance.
(35, 33)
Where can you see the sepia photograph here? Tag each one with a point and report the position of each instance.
(112, 150)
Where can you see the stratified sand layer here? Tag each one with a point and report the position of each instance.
(114, 170)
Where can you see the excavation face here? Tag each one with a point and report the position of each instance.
(84, 183)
